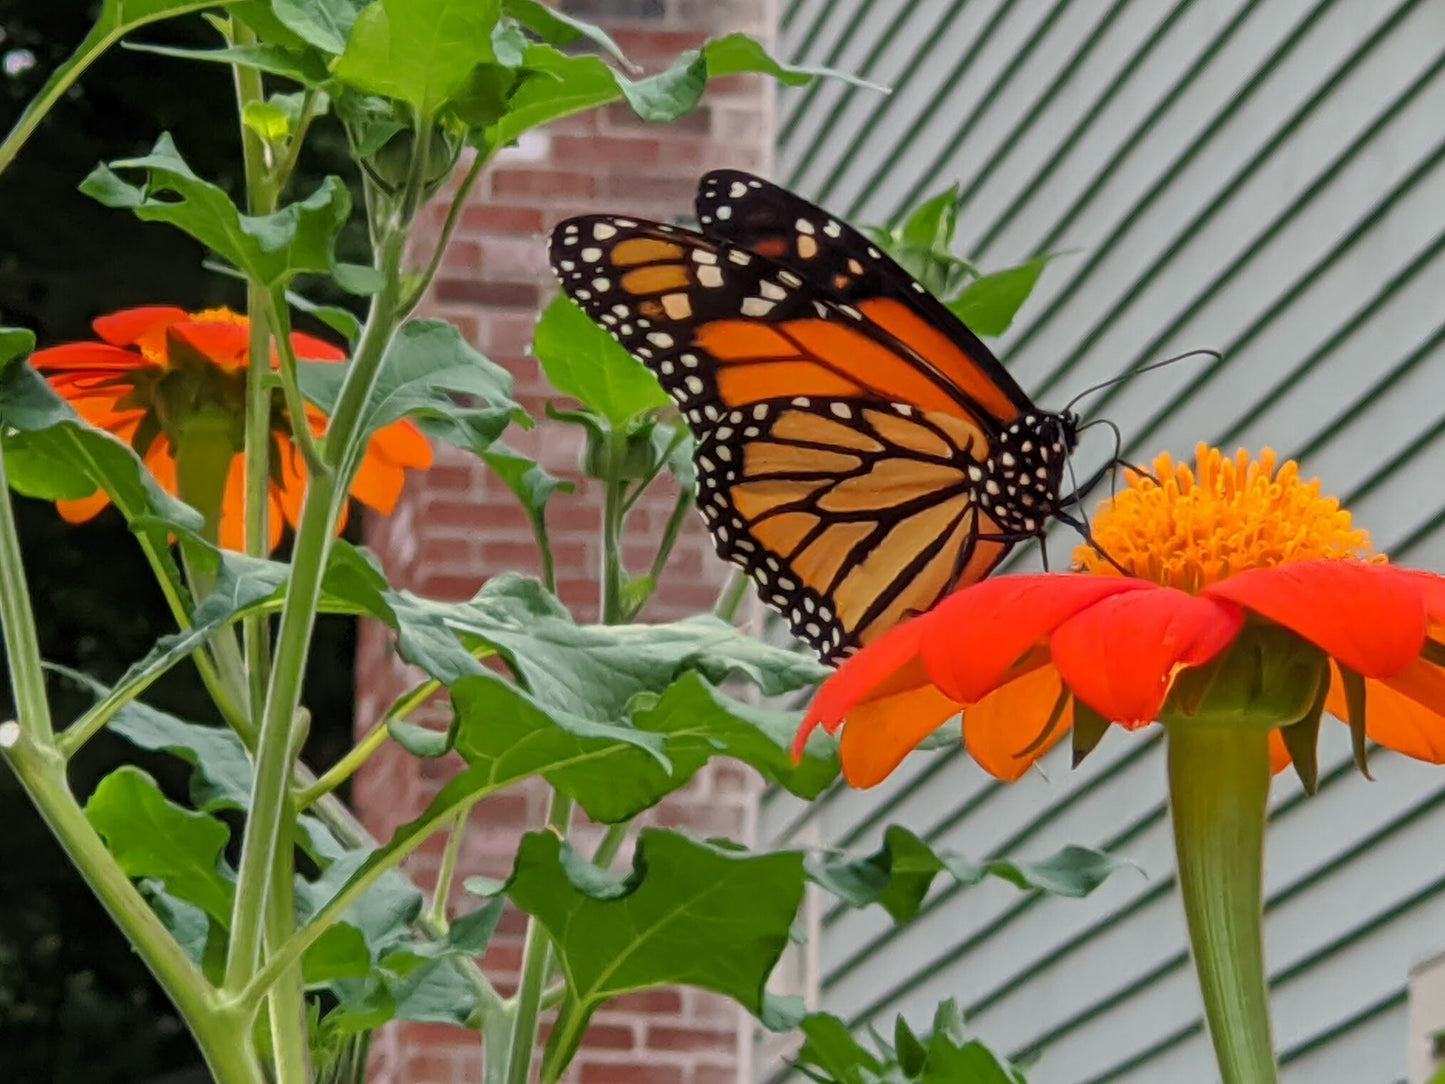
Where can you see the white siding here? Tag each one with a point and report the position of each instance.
(1264, 178)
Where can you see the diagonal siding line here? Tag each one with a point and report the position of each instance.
(799, 106)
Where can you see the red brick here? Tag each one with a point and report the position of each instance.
(651, 1002)
(691, 1039)
(605, 151)
(603, 1037)
(512, 295)
(502, 218)
(594, 1072)
(541, 183)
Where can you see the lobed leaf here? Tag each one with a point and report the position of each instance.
(558, 28)
(152, 837)
(898, 875)
(689, 914)
(271, 249)
(325, 24)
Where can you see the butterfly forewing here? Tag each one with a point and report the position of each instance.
(834, 257)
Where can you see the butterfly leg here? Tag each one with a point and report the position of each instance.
(1082, 526)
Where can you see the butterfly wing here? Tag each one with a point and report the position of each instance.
(757, 215)
(836, 465)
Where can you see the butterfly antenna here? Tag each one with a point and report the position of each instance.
(1215, 354)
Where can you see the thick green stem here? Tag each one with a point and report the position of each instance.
(22, 645)
(261, 198)
(324, 494)
(42, 773)
(536, 956)
(286, 1002)
(1219, 786)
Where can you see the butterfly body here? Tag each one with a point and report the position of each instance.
(860, 453)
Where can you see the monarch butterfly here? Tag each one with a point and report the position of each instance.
(860, 453)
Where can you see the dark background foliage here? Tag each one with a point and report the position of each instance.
(75, 1003)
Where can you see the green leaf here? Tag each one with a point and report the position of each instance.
(553, 85)
(594, 671)
(701, 722)
(268, 121)
(933, 223)
(271, 249)
(898, 875)
(831, 1049)
(583, 361)
(668, 94)
(153, 837)
(613, 772)
(988, 304)
(418, 51)
(531, 484)
(689, 914)
(298, 65)
(54, 453)
(339, 953)
(323, 23)
(558, 28)
(433, 376)
(738, 53)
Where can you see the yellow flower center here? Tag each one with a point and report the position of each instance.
(1199, 524)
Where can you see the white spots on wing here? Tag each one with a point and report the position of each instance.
(724, 453)
(821, 309)
(677, 306)
(608, 318)
(568, 265)
(841, 410)
(724, 213)
(760, 411)
(874, 252)
(850, 311)
(603, 230)
(772, 290)
(788, 278)
(711, 277)
(625, 223)
(801, 401)
(992, 487)
(1007, 459)
(659, 338)
(601, 285)
(803, 226)
(918, 289)
(832, 229)
(737, 190)
(756, 306)
(739, 257)
(702, 255)
(975, 474)
(690, 360)
(582, 295)
(591, 255)
(693, 384)
(855, 267)
(668, 368)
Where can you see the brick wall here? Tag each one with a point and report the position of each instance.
(456, 526)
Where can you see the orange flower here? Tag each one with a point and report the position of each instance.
(158, 367)
(1233, 545)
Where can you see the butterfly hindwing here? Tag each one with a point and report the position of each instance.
(849, 516)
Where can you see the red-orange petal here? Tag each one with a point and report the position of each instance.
(1369, 617)
(880, 733)
(224, 343)
(87, 358)
(861, 676)
(974, 638)
(1120, 655)
(126, 327)
(313, 349)
(1403, 712)
(1002, 731)
(83, 508)
(403, 444)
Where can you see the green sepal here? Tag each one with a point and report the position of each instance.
(1354, 685)
(1302, 739)
(1089, 730)
(1269, 677)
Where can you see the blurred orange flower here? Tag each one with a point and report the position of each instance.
(158, 366)
(1210, 551)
